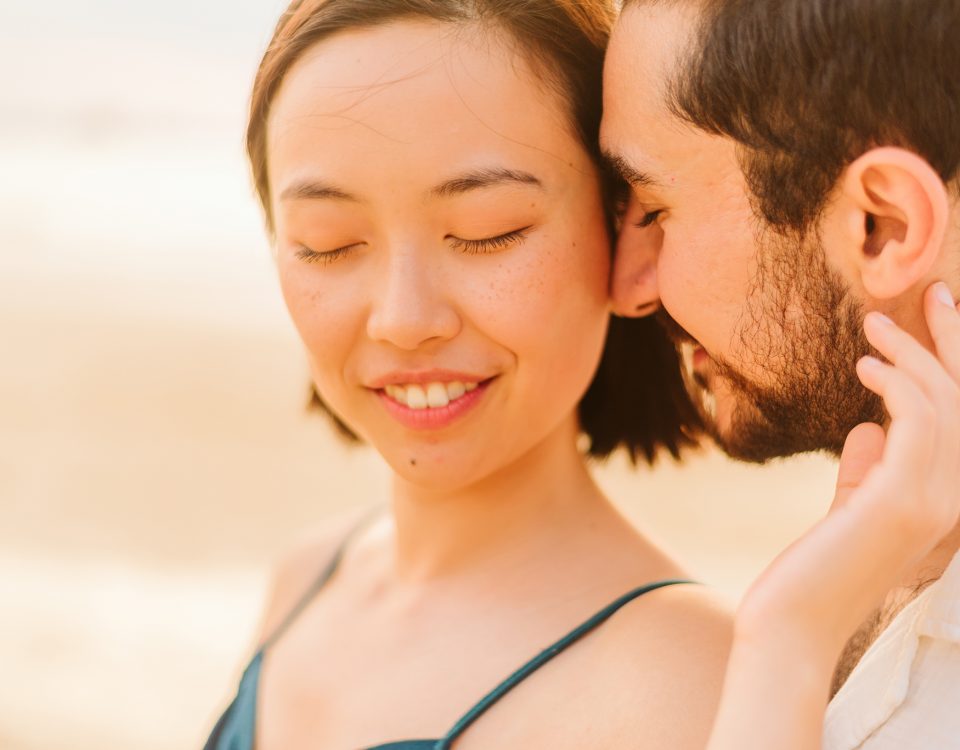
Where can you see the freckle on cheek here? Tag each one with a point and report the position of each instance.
(413, 462)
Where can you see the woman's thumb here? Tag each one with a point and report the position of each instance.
(862, 450)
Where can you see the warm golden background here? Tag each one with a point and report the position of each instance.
(154, 454)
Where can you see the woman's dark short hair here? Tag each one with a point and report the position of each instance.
(638, 399)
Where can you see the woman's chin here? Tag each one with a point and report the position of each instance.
(435, 470)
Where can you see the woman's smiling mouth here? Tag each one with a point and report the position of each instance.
(431, 403)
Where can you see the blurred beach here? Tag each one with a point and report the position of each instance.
(155, 455)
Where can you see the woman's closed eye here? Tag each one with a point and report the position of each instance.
(470, 247)
(304, 253)
(489, 244)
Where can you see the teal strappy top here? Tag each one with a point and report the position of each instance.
(236, 728)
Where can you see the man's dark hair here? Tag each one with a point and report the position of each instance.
(806, 86)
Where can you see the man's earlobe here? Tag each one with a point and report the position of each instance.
(897, 211)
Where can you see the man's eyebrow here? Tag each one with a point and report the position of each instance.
(628, 172)
(483, 178)
(315, 190)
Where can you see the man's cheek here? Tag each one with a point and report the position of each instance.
(686, 295)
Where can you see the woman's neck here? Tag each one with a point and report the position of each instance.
(542, 497)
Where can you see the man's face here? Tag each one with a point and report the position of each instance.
(772, 330)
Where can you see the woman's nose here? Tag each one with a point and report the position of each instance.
(411, 307)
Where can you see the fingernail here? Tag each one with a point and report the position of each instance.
(881, 318)
(871, 363)
(942, 291)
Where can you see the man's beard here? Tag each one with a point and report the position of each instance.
(806, 332)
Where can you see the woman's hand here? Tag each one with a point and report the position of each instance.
(898, 495)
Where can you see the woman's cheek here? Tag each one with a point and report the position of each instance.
(576, 281)
(575, 267)
(324, 315)
(304, 298)
(537, 302)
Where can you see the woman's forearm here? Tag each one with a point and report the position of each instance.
(775, 694)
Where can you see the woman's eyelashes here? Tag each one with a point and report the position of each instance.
(469, 247)
(489, 244)
(304, 253)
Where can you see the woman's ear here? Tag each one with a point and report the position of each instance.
(894, 211)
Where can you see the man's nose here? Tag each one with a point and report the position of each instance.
(410, 305)
(633, 288)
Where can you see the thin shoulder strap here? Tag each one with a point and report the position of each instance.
(546, 655)
(320, 581)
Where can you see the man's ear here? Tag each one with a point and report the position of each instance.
(895, 212)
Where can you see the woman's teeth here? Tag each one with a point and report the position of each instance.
(431, 395)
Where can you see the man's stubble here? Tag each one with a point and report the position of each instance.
(804, 331)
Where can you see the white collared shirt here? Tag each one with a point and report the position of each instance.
(905, 692)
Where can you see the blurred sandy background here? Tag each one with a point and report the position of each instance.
(154, 453)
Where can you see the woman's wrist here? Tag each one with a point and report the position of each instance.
(800, 655)
(774, 695)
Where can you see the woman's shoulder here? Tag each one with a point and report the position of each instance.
(298, 568)
(666, 653)
(673, 625)
(688, 609)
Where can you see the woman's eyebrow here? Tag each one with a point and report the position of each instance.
(475, 180)
(315, 190)
(484, 178)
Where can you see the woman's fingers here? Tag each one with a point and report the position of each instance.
(910, 356)
(912, 444)
(931, 375)
(862, 450)
(911, 437)
(915, 482)
(943, 319)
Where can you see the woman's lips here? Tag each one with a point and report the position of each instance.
(411, 405)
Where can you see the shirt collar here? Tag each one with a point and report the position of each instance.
(879, 683)
(941, 619)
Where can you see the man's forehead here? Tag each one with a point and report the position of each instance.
(640, 133)
(641, 64)
(651, 39)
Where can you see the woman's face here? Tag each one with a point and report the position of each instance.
(441, 245)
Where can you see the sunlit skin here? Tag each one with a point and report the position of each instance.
(436, 219)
